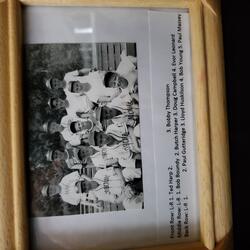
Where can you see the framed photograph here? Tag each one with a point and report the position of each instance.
(114, 132)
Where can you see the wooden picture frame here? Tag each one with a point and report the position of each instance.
(210, 113)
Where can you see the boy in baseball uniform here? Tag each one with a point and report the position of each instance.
(110, 185)
(72, 104)
(55, 83)
(71, 190)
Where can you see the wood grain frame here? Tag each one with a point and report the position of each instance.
(210, 120)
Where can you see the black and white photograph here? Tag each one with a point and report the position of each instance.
(83, 128)
(110, 132)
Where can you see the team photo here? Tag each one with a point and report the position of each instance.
(83, 128)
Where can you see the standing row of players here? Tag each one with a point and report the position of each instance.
(102, 131)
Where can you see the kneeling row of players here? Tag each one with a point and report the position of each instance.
(113, 184)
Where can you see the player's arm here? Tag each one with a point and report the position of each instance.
(105, 99)
(75, 140)
(83, 114)
(84, 71)
(118, 172)
(117, 92)
(132, 59)
(133, 138)
(90, 165)
(93, 119)
(76, 166)
(85, 177)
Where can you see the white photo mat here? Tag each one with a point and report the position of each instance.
(152, 31)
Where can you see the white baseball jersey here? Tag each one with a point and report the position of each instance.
(73, 138)
(69, 191)
(110, 185)
(108, 155)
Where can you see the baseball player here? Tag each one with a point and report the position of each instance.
(71, 190)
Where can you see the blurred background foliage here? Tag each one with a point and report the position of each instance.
(42, 61)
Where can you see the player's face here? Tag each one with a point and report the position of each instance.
(117, 81)
(109, 113)
(77, 87)
(102, 139)
(58, 103)
(53, 127)
(53, 190)
(86, 152)
(78, 126)
(56, 83)
(82, 125)
(59, 155)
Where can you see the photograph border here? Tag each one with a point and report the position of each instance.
(210, 119)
